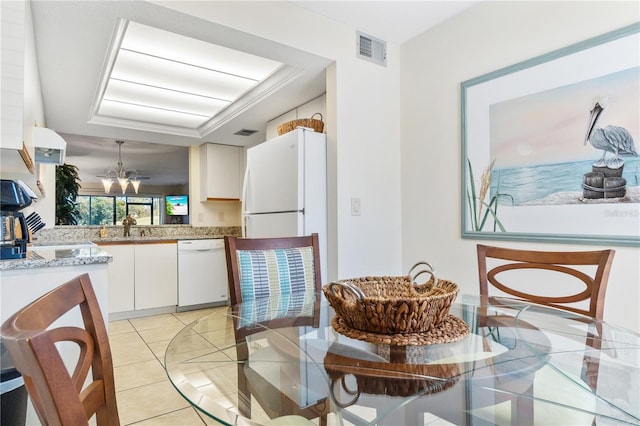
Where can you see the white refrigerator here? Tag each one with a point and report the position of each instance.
(285, 188)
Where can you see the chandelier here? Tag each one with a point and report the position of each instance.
(124, 177)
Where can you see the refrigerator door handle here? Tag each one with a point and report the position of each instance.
(245, 188)
(243, 201)
(243, 198)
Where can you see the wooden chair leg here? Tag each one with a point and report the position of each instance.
(244, 394)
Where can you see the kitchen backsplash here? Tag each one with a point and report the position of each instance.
(92, 233)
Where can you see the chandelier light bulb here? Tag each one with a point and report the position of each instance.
(107, 182)
(136, 184)
(124, 182)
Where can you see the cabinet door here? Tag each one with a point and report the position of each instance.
(221, 168)
(156, 275)
(121, 277)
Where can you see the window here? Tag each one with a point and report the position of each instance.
(110, 210)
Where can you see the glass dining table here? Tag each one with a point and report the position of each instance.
(509, 362)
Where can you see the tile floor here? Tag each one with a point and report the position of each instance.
(144, 394)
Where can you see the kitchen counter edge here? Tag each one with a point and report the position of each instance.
(130, 240)
(149, 240)
(57, 258)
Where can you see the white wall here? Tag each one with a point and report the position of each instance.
(12, 165)
(363, 99)
(485, 38)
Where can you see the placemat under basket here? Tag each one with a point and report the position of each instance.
(316, 125)
(393, 310)
(451, 329)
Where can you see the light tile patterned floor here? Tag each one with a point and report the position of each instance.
(144, 394)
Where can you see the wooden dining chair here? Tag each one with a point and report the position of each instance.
(60, 397)
(580, 288)
(567, 263)
(277, 282)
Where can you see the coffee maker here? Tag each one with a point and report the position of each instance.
(14, 196)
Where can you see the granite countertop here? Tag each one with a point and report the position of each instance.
(140, 234)
(67, 256)
(82, 245)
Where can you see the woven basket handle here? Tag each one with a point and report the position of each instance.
(317, 113)
(348, 391)
(428, 269)
(348, 286)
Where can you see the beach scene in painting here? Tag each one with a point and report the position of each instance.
(574, 144)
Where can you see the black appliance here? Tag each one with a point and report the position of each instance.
(14, 196)
(13, 394)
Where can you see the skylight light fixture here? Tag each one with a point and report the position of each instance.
(166, 82)
(124, 177)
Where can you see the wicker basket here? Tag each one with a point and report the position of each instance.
(391, 305)
(316, 125)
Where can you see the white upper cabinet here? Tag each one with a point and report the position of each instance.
(221, 168)
(12, 18)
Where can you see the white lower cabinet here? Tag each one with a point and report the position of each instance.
(156, 275)
(121, 277)
(142, 276)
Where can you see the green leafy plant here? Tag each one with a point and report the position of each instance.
(67, 186)
(477, 201)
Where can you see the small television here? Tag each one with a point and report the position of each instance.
(177, 205)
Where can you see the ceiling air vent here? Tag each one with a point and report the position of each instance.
(372, 49)
(245, 132)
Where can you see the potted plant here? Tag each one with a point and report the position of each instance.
(67, 186)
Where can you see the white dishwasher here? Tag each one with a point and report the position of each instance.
(202, 274)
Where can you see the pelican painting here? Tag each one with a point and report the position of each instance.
(614, 139)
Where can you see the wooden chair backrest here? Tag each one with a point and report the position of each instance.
(60, 397)
(233, 244)
(561, 262)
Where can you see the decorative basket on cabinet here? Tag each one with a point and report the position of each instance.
(316, 125)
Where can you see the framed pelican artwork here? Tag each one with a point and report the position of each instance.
(551, 146)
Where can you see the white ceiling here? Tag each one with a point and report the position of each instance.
(72, 41)
(394, 21)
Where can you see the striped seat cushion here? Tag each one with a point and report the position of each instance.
(268, 273)
(288, 305)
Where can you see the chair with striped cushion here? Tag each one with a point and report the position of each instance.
(277, 282)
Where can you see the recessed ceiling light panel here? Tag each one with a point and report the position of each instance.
(146, 114)
(155, 78)
(165, 44)
(163, 98)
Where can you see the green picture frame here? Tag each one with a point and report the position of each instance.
(514, 118)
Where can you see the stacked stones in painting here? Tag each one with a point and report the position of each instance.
(603, 182)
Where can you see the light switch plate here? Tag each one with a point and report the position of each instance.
(355, 206)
